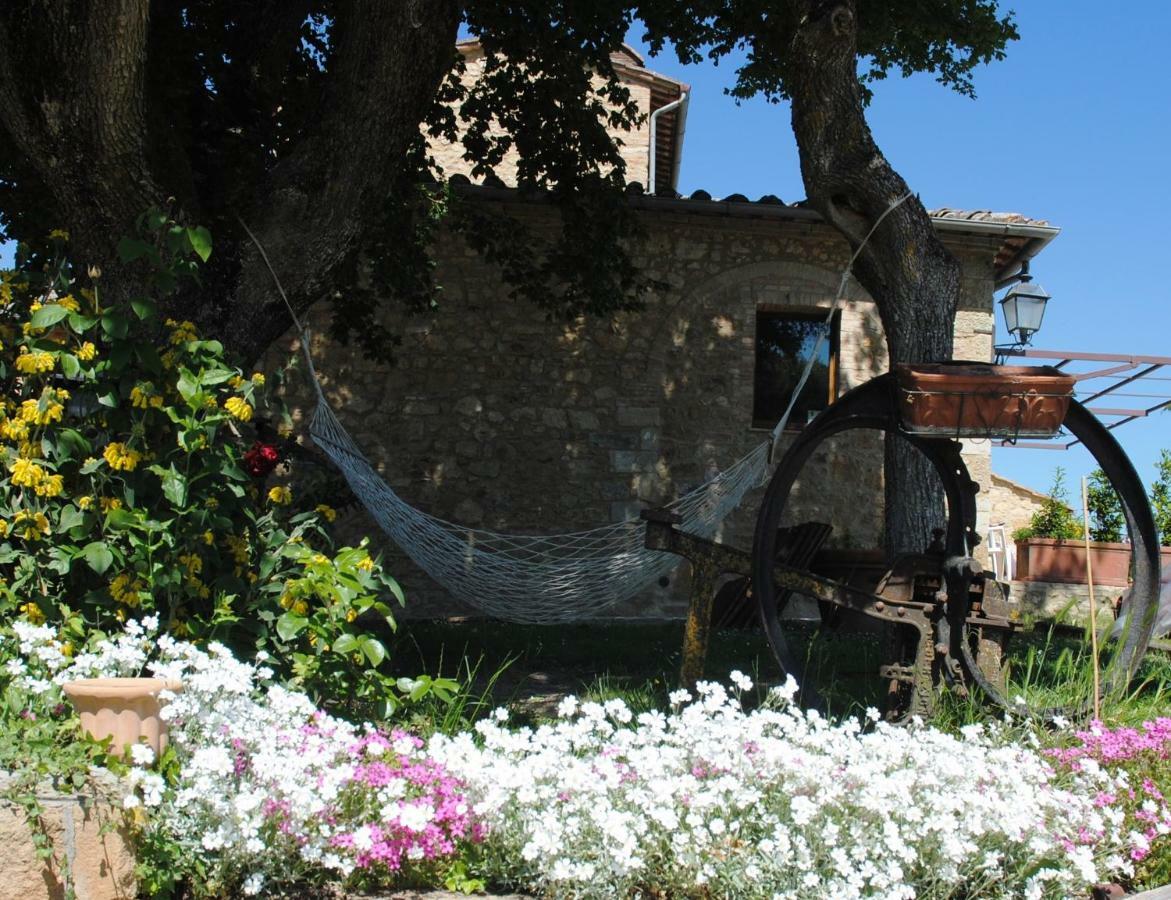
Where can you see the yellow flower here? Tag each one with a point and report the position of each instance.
(68, 303)
(168, 359)
(15, 429)
(239, 408)
(326, 512)
(212, 503)
(30, 411)
(85, 502)
(208, 538)
(366, 564)
(280, 495)
(121, 457)
(238, 547)
(33, 613)
(109, 503)
(67, 649)
(34, 363)
(318, 559)
(139, 398)
(53, 486)
(183, 331)
(86, 351)
(258, 379)
(3, 528)
(58, 234)
(235, 381)
(300, 607)
(125, 588)
(286, 600)
(26, 473)
(193, 562)
(351, 614)
(32, 526)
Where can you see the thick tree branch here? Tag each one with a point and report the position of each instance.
(71, 98)
(386, 65)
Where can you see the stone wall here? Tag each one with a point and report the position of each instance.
(495, 417)
(634, 145)
(1012, 504)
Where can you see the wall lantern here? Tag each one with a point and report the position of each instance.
(1024, 308)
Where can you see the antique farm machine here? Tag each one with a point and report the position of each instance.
(947, 618)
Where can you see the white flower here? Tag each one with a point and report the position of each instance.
(740, 680)
(141, 754)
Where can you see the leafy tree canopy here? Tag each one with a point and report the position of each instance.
(306, 119)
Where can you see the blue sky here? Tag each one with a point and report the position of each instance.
(1072, 127)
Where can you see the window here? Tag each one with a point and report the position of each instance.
(784, 343)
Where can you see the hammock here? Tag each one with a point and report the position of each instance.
(532, 578)
(543, 579)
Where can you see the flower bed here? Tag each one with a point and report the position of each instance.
(260, 790)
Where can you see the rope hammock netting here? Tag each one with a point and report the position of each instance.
(543, 579)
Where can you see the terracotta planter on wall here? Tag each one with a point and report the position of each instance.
(124, 709)
(1064, 562)
(964, 399)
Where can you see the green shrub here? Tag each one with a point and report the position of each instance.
(1161, 497)
(1054, 519)
(133, 480)
(1106, 520)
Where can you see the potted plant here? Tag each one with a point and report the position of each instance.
(126, 710)
(1052, 548)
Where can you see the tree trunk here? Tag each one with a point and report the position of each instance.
(75, 100)
(904, 266)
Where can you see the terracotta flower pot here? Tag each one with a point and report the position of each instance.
(124, 709)
(1064, 562)
(962, 399)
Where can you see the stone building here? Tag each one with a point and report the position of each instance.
(497, 418)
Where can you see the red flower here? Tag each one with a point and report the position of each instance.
(261, 459)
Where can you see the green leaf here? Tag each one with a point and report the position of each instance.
(130, 249)
(289, 626)
(200, 239)
(98, 555)
(218, 376)
(143, 307)
(115, 324)
(174, 484)
(69, 365)
(48, 315)
(110, 399)
(81, 324)
(90, 467)
(344, 644)
(374, 651)
(187, 385)
(70, 518)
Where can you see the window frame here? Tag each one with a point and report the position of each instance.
(808, 314)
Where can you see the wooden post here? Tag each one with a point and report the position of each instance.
(1093, 608)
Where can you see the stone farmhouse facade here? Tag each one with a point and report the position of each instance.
(497, 418)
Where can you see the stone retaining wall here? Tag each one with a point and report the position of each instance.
(87, 832)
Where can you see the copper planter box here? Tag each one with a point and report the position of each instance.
(963, 399)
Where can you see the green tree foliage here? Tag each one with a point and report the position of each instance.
(1161, 497)
(1054, 519)
(1107, 522)
(307, 119)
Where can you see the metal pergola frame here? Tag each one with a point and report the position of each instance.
(1122, 370)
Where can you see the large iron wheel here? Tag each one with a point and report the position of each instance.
(874, 405)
